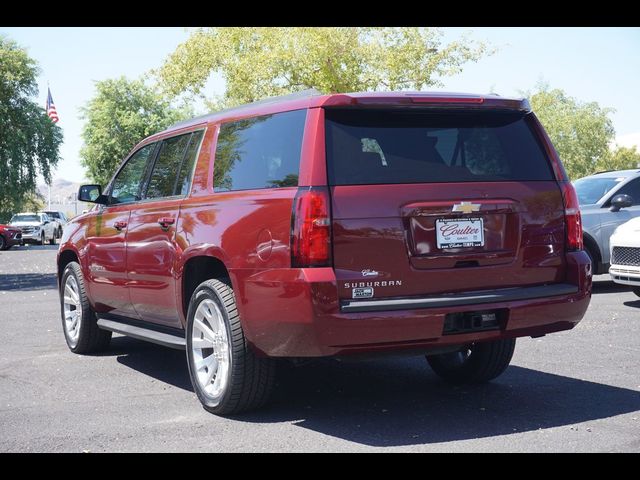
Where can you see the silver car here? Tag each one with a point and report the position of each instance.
(607, 199)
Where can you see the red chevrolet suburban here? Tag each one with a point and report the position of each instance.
(318, 225)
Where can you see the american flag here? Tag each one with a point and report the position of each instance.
(51, 108)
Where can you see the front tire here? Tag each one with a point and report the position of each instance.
(42, 239)
(3, 243)
(227, 376)
(52, 240)
(79, 321)
(636, 290)
(476, 363)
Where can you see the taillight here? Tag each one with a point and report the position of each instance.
(572, 218)
(311, 228)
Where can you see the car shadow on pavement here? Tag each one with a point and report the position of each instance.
(27, 281)
(165, 364)
(634, 304)
(609, 287)
(399, 401)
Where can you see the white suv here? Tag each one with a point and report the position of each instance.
(36, 227)
(625, 254)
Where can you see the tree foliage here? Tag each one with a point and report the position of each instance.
(121, 114)
(580, 131)
(29, 140)
(259, 62)
(621, 158)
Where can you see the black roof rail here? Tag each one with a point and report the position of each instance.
(311, 92)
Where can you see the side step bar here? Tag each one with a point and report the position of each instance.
(141, 333)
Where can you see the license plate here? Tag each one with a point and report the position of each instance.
(459, 232)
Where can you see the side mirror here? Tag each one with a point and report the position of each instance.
(92, 194)
(621, 201)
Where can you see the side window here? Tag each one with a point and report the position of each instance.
(259, 152)
(632, 189)
(126, 186)
(186, 170)
(166, 166)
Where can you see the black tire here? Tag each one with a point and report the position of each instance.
(3, 243)
(251, 378)
(52, 240)
(59, 232)
(42, 239)
(477, 363)
(636, 290)
(90, 339)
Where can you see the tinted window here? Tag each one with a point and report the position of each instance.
(167, 164)
(186, 170)
(592, 189)
(376, 147)
(259, 152)
(126, 186)
(24, 218)
(632, 189)
(53, 214)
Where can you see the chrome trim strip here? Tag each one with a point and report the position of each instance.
(459, 299)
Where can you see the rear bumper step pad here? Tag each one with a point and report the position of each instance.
(459, 299)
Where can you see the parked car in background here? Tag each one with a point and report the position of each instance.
(59, 219)
(314, 225)
(36, 227)
(9, 236)
(625, 255)
(607, 200)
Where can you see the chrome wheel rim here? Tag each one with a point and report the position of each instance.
(210, 349)
(72, 307)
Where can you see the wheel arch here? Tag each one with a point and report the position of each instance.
(593, 249)
(64, 258)
(196, 270)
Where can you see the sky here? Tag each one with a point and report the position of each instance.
(590, 64)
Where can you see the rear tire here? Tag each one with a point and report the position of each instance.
(477, 363)
(636, 290)
(227, 376)
(79, 322)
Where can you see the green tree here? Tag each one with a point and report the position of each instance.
(121, 114)
(580, 131)
(266, 61)
(621, 158)
(29, 140)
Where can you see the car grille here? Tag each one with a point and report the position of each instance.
(625, 256)
(26, 229)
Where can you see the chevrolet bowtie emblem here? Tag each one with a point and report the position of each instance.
(466, 207)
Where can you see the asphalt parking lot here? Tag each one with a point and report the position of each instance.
(576, 391)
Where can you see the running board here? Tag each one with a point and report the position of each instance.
(141, 333)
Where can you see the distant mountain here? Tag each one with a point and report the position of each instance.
(63, 196)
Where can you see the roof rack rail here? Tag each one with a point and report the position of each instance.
(311, 92)
(603, 171)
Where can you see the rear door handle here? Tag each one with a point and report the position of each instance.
(119, 225)
(166, 221)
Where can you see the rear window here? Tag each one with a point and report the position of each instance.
(259, 152)
(376, 147)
